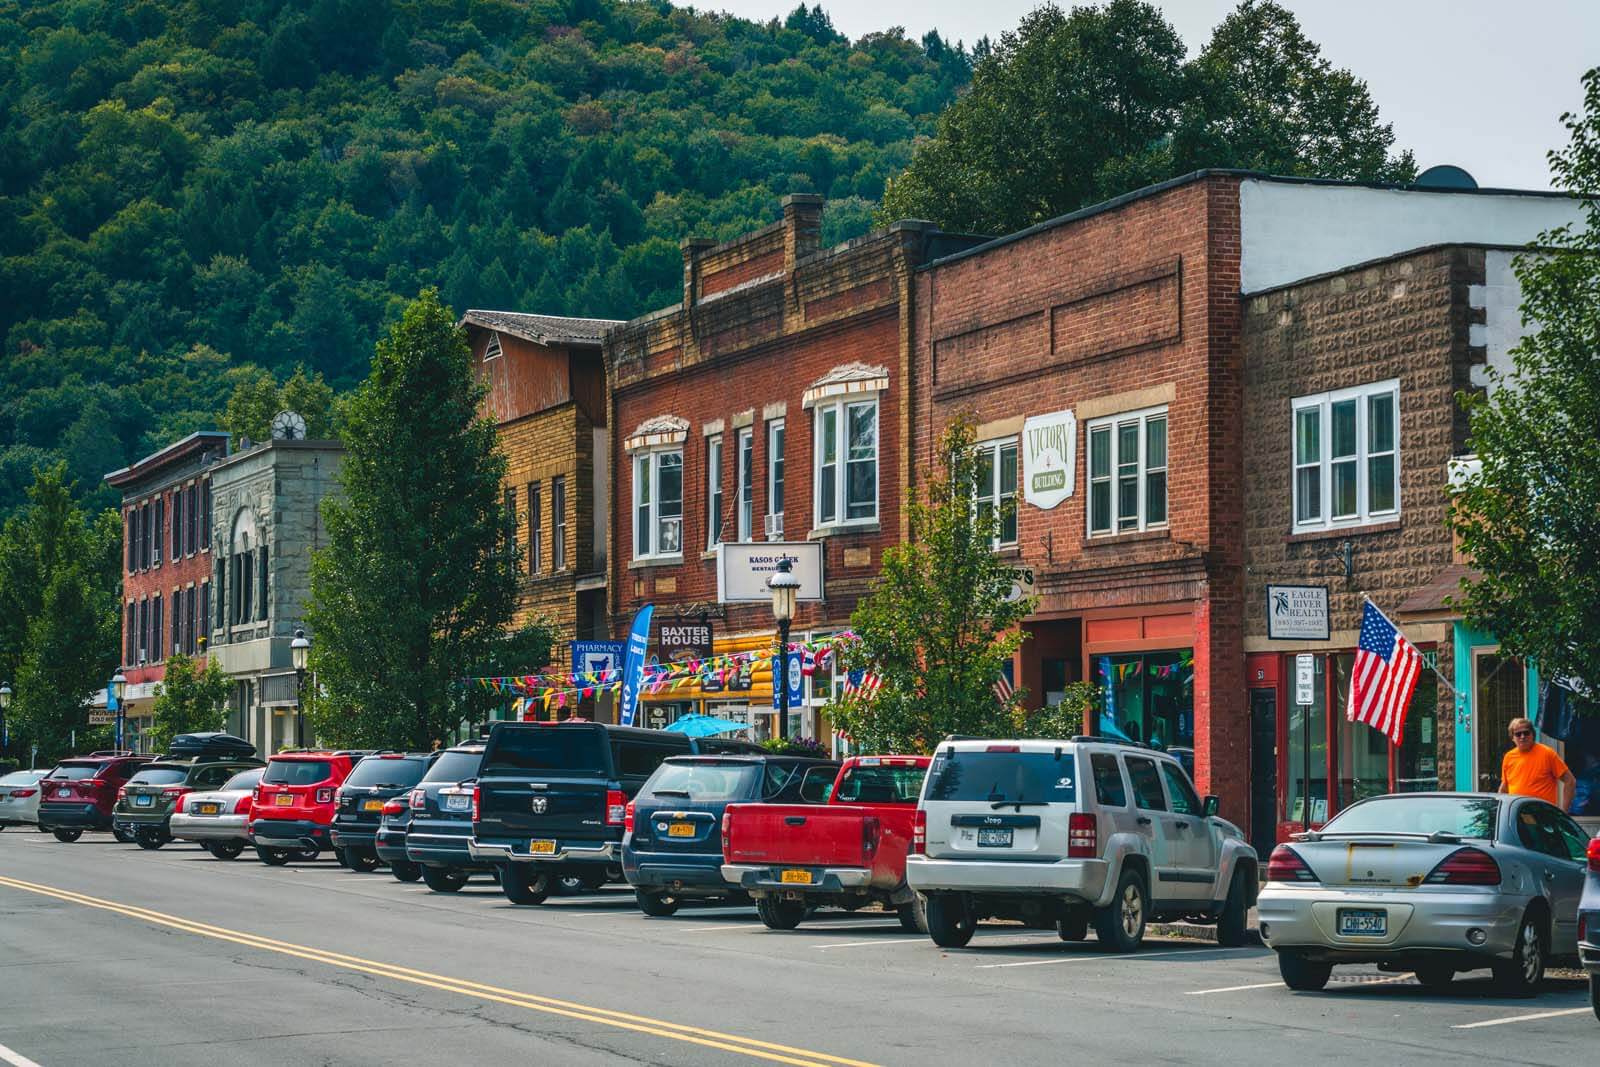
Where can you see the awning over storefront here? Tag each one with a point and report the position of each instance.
(1430, 602)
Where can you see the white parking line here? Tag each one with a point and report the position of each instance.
(1231, 989)
(880, 941)
(1087, 957)
(1521, 1018)
(16, 1059)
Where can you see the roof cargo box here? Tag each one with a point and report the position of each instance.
(214, 744)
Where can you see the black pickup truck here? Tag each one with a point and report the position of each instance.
(551, 798)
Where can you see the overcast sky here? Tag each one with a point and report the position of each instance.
(1478, 83)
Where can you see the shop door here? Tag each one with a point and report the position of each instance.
(1306, 790)
(1263, 770)
(1501, 695)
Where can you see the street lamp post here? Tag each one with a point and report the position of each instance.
(784, 586)
(300, 651)
(5, 705)
(115, 688)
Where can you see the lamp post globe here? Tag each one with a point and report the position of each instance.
(299, 654)
(785, 588)
(5, 695)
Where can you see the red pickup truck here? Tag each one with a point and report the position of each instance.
(848, 852)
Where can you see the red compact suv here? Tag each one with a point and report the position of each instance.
(81, 792)
(295, 804)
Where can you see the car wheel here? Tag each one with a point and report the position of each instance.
(362, 862)
(1301, 974)
(307, 854)
(655, 905)
(342, 857)
(122, 835)
(66, 836)
(780, 914)
(443, 879)
(524, 887)
(568, 885)
(1594, 994)
(593, 882)
(950, 921)
(1521, 974)
(272, 857)
(148, 839)
(1119, 926)
(405, 870)
(1437, 977)
(1233, 925)
(913, 915)
(1074, 926)
(224, 850)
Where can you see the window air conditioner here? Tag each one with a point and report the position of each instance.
(774, 527)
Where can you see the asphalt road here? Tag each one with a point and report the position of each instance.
(113, 955)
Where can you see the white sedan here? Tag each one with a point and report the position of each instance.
(19, 798)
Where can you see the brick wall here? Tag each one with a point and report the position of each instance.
(540, 448)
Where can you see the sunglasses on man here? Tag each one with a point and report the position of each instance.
(1521, 733)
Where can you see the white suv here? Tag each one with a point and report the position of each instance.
(1069, 833)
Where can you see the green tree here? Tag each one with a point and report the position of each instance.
(418, 580)
(190, 698)
(938, 625)
(1076, 107)
(59, 581)
(1529, 521)
(257, 397)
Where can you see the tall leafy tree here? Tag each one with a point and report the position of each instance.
(257, 397)
(190, 698)
(939, 625)
(1530, 520)
(418, 580)
(59, 582)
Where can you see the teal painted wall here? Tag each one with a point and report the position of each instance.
(1466, 638)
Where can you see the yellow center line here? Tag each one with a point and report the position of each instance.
(752, 1047)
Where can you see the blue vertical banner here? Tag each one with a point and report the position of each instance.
(794, 676)
(633, 665)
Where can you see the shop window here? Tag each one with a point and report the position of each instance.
(846, 458)
(1128, 472)
(1306, 791)
(1148, 697)
(1417, 764)
(1501, 691)
(1363, 751)
(995, 489)
(658, 504)
(1347, 456)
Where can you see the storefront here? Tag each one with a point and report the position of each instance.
(1144, 667)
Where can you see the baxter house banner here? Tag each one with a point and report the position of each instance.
(1049, 458)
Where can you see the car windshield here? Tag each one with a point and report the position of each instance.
(1418, 814)
(75, 772)
(160, 776)
(22, 777)
(382, 771)
(297, 772)
(454, 767)
(547, 748)
(703, 781)
(245, 779)
(882, 785)
(1003, 777)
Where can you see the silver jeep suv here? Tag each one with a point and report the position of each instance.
(1074, 833)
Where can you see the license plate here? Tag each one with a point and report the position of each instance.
(1363, 923)
(794, 877)
(542, 848)
(207, 809)
(460, 803)
(62, 794)
(141, 802)
(994, 838)
(283, 800)
(372, 805)
(681, 829)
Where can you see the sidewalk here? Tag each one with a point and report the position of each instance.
(1202, 933)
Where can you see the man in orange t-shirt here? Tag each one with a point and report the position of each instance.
(1534, 770)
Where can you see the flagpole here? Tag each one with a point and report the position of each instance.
(1434, 667)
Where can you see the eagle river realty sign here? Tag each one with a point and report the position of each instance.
(1297, 612)
(1049, 458)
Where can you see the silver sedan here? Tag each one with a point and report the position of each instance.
(217, 819)
(1433, 883)
(19, 798)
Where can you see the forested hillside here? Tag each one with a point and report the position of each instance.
(194, 189)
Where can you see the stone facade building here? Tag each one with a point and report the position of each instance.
(166, 507)
(266, 521)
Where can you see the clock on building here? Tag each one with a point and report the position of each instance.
(288, 426)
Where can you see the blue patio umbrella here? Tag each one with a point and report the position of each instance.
(698, 725)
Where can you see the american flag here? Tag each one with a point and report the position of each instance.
(863, 684)
(1386, 670)
(1003, 690)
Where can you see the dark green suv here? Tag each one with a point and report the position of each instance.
(145, 805)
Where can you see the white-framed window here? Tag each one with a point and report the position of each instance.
(658, 504)
(1346, 456)
(1128, 472)
(775, 474)
(558, 523)
(995, 487)
(713, 491)
(846, 458)
(746, 487)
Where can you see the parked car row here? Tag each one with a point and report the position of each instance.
(1069, 835)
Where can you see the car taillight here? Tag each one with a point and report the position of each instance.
(1285, 865)
(919, 833)
(1465, 866)
(21, 793)
(325, 796)
(244, 805)
(869, 837)
(1594, 854)
(1003, 748)
(1083, 836)
(92, 783)
(474, 803)
(627, 818)
(176, 791)
(725, 834)
(419, 797)
(395, 807)
(122, 791)
(616, 806)
(179, 808)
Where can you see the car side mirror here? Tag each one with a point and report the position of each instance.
(1209, 806)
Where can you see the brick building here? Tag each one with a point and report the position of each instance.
(166, 508)
(547, 393)
(771, 405)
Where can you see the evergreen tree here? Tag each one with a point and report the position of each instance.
(419, 577)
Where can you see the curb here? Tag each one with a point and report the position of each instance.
(1198, 933)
